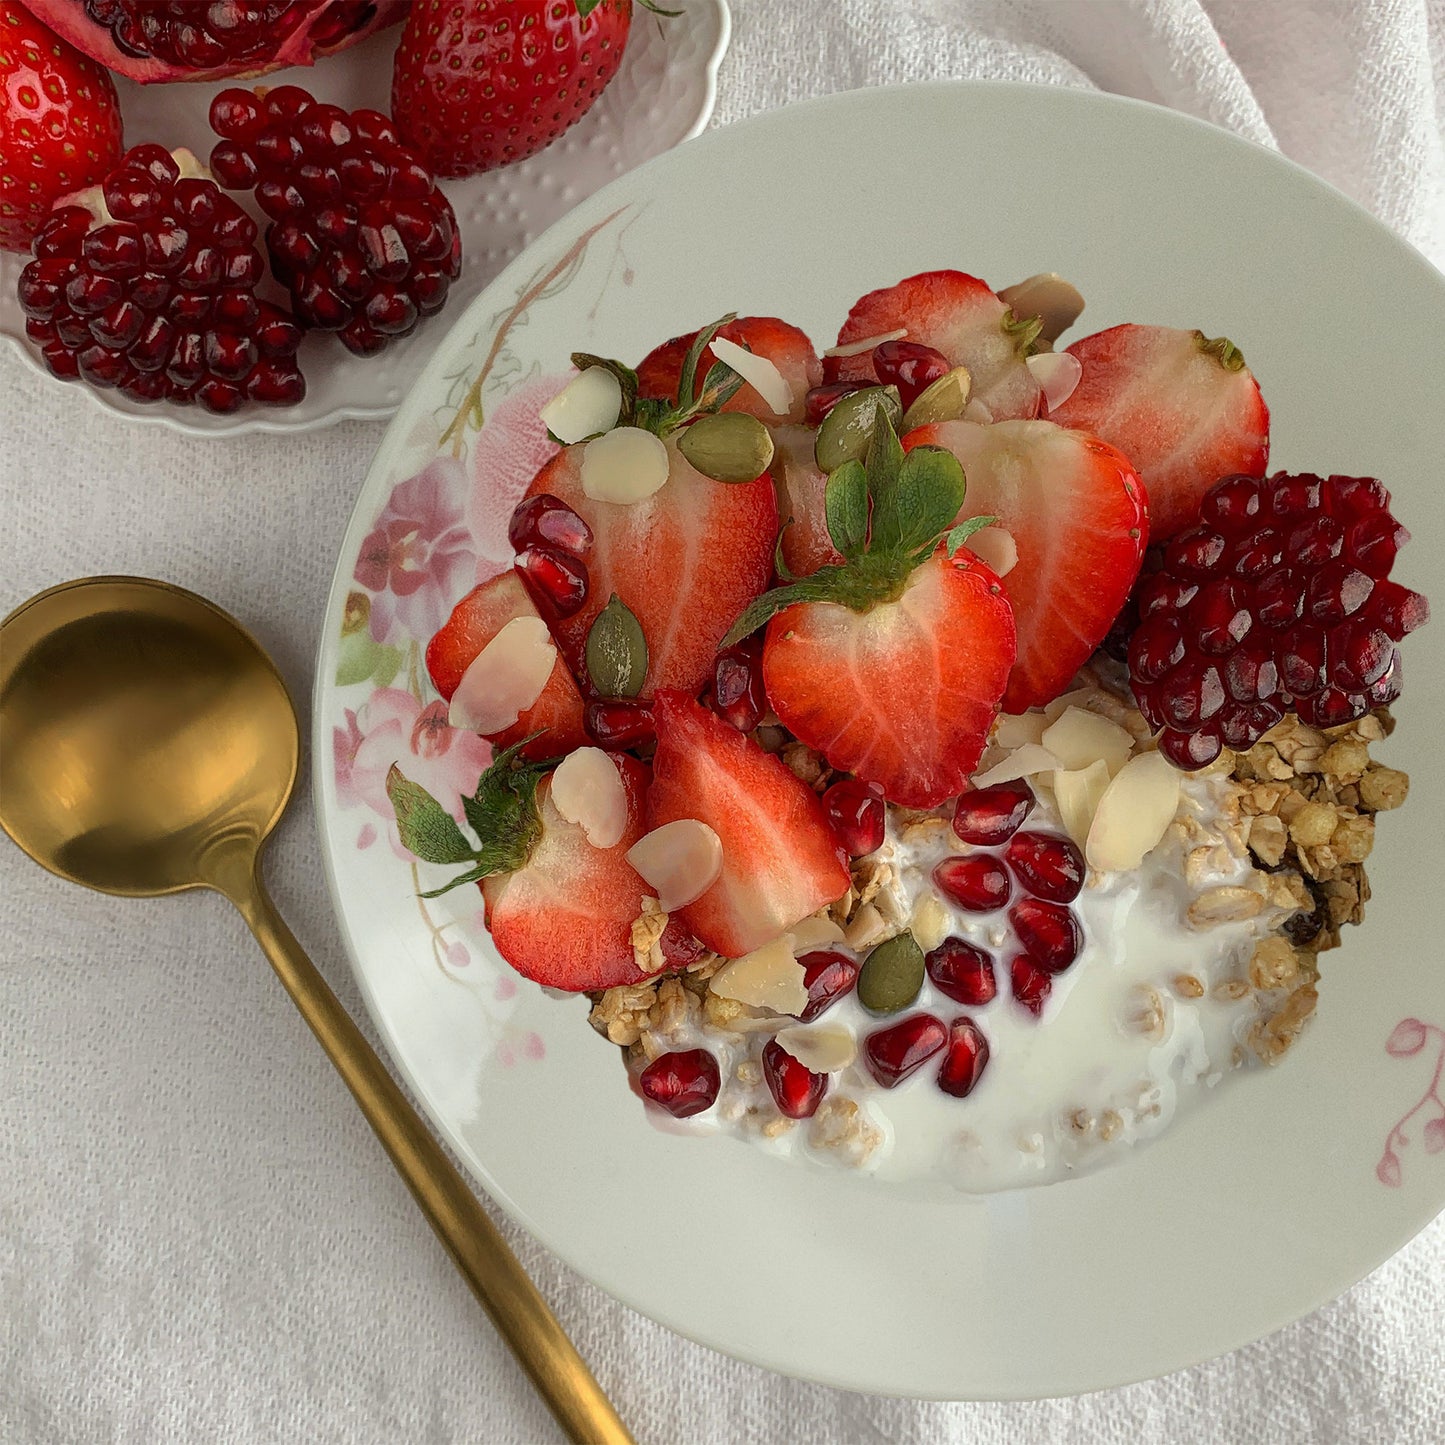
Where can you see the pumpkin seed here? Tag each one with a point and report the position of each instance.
(616, 651)
(846, 430)
(729, 446)
(892, 975)
(943, 400)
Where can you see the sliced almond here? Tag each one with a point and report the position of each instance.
(1057, 373)
(758, 372)
(857, 348)
(588, 404)
(929, 924)
(823, 1048)
(506, 677)
(1014, 729)
(624, 465)
(1022, 762)
(1079, 697)
(1077, 794)
(680, 860)
(1134, 813)
(996, 547)
(1049, 297)
(815, 932)
(588, 790)
(768, 977)
(1078, 738)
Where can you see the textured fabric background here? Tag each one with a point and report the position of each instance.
(199, 1239)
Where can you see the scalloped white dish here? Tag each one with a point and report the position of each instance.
(1253, 1210)
(662, 94)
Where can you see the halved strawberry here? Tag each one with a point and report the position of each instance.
(1184, 409)
(1079, 517)
(958, 315)
(782, 343)
(801, 484)
(474, 622)
(781, 861)
(685, 560)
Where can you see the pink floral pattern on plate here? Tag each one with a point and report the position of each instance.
(1411, 1037)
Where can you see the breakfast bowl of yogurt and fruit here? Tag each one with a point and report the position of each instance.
(850, 788)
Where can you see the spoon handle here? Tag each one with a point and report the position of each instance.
(476, 1246)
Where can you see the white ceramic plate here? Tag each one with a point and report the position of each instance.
(1262, 1205)
(663, 93)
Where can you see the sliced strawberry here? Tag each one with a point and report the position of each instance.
(686, 560)
(783, 344)
(801, 484)
(1184, 409)
(958, 315)
(781, 862)
(1079, 518)
(902, 695)
(474, 622)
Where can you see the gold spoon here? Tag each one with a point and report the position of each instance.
(147, 746)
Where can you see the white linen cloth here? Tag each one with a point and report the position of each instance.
(199, 1239)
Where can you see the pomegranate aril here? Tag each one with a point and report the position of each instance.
(796, 1090)
(977, 883)
(1278, 599)
(1302, 661)
(990, 816)
(962, 971)
(910, 366)
(1331, 707)
(1338, 590)
(1397, 609)
(1156, 646)
(556, 579)
(1260, 554)
(737, 685)
(828, 976)
(1232, 504)
(1251, 673)
(901, 1049)
(857, 813)
(545, 518)
(1195, 693)
(1049, 932)
(964, 1060)
(1291, 497)
(1387, 689)
(1218, 618)
(683, 1083)
(619, 724)
(1160, 592)
(822, 399)
(1373, 541)
(1190, 751)
(1351, 497)
(1031, 985)
(1048, 865)
(1315, 542)
(1359, 656)
(1194, 554)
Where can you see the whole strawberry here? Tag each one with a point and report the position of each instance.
(59, 123)
(482, 83)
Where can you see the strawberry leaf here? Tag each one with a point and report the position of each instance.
(928, 497)
(885, 462)
(965, 529)
(1023, 331)
(687, 379)
(626, 379)
(859, 584)
(426, 828)
(585, 7)
(845, 501)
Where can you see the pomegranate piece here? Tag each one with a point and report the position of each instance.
(1278, 600)
(619, 724)
(962, 971)
(901, 1049)
(827, 976)
(822, 399)
(856, 811)
(797, 1091)
(684, 1083)
(1048, 865)
(360, 235)
(1031, 984)
(545, 520)
(737, 685)
(990, 816)
(556, 580)
(978, 882)
(148, 284)
(964, 1060)
(910, 366)
(1049, 933)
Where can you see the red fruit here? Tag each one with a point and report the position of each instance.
(547, 521)
(1184, 409)
(902, 695)
(159, 40)
(684, 1083)
(360, 235)
(909, 366)
(856, 811)
(801, 485)
(827, 976)
(901, 1049)
(474, 622)
(1274, 600)
(961, 971)
(1078, 516)
(1049, 932)
(1031, 984)
(619, 723)
(477, 85)
(990, 816)
(59, 124)
(686, 560)
(159, 302)
(964, 1060)
(796, 1090)
(958, 316)
(1048, 865)
(822, 399)
(737, 685)
(781, 862)
(556, 579)
(977, 882)
(565, 917)
(782, 343)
